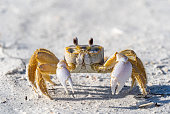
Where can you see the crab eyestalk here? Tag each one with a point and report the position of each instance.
(91, 41)
(75, 41)
(121, 73)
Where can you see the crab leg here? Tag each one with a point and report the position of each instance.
(42, 56)
(42, 85)
(47, 78)
(48, 68)
(63, 75)
(140, 79)
(136, 62)
(138, 72)
(32, 70)
(121, 73)
(48, 62)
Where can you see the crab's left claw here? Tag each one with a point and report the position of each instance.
(121, 73)
(63, 75)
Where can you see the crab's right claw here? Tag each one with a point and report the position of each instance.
(63, 75)
(121, 73)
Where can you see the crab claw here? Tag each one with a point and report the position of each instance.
(121, 73)
(63, 75)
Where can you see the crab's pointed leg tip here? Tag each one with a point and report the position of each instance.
(72, 92)
(72, 89)
(73, 95)
(55, 84)
(50, 98)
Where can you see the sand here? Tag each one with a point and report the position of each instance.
(26, 25)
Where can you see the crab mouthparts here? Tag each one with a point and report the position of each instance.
(83, 59)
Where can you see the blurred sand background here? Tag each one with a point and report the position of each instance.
(26, 25)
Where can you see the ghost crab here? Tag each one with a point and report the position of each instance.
(86, 59)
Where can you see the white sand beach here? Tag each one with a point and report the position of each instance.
(27, 25)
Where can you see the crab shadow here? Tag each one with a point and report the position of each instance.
(156, 93)
(83, 92)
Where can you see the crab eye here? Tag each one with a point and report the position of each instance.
(83, 47)
(94, 50)
(71, 50)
